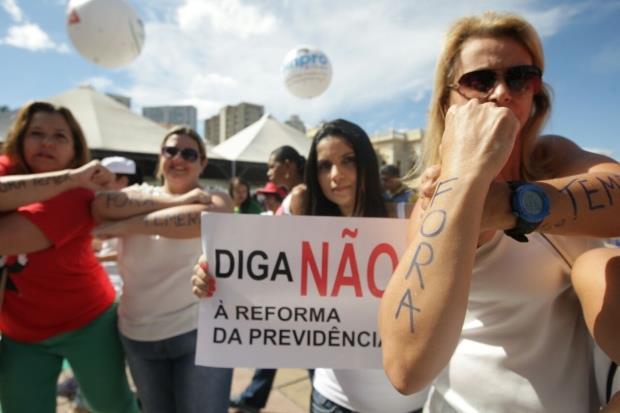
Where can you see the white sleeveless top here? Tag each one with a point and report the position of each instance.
(366, 391)
(524, 345)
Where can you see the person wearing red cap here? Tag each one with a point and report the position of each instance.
(273, 196)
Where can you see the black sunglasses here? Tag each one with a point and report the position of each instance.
(188, 154)
(480, 83)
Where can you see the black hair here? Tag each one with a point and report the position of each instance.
(390, 170)
(288, 153)
(368, 198)
(245, 205)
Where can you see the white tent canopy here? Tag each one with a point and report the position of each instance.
(256, 142)
(109, 125)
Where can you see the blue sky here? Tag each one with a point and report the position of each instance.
(210, 53)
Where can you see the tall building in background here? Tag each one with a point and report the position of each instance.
(168, 116)
(231, 120)
(212, 129)
(295, 122)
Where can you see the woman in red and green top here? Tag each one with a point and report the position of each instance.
(59, 302)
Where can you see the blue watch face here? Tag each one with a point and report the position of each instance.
(532, 203)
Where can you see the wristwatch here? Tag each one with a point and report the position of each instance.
(530, 204)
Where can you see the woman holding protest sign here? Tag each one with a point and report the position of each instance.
(342, 179)
(480, 305)
(158, 316)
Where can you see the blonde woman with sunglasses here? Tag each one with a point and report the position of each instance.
(481, 304)
(157, 313)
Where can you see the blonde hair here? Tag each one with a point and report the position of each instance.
(181, 130)
(489, 24)
(14, 144)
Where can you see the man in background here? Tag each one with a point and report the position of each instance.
(397, 195)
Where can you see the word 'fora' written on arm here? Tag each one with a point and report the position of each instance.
(123, 200)
(433, 224)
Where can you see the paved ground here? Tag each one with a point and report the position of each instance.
(290, 392)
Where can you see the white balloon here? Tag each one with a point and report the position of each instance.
(106, 32)
(307, 72)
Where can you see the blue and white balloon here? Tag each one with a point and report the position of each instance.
(307, 72)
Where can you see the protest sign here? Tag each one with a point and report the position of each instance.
(295, 291)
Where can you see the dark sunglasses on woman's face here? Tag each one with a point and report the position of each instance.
(188, 154)
(480, 83)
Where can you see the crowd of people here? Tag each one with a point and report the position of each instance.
(506, 298)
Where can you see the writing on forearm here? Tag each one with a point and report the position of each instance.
(174, 220)
(122, 200)
(22, 184)
(12, 186)
(50, 180)
(433, 224)
(599, 192)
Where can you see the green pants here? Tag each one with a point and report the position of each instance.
(29, 372)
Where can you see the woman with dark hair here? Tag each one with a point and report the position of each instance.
(361, 195)
(239, 191)
(342, 179)
(286, 168)
(59, 302)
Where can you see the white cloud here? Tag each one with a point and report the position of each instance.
(225, 17)
(227, 51)
(27, 35)
(11, 7)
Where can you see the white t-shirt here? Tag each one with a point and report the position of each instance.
(157, 300)
(366, 391)
(109, 246)
(524, 345)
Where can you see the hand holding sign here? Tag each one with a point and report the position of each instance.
(203, 283)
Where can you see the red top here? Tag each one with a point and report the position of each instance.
(63, 287)
(5, 165)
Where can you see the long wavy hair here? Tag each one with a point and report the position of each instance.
(496, 25)
(368, 198)
(14, 144)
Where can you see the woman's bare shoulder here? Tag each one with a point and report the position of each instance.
(563, 157)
